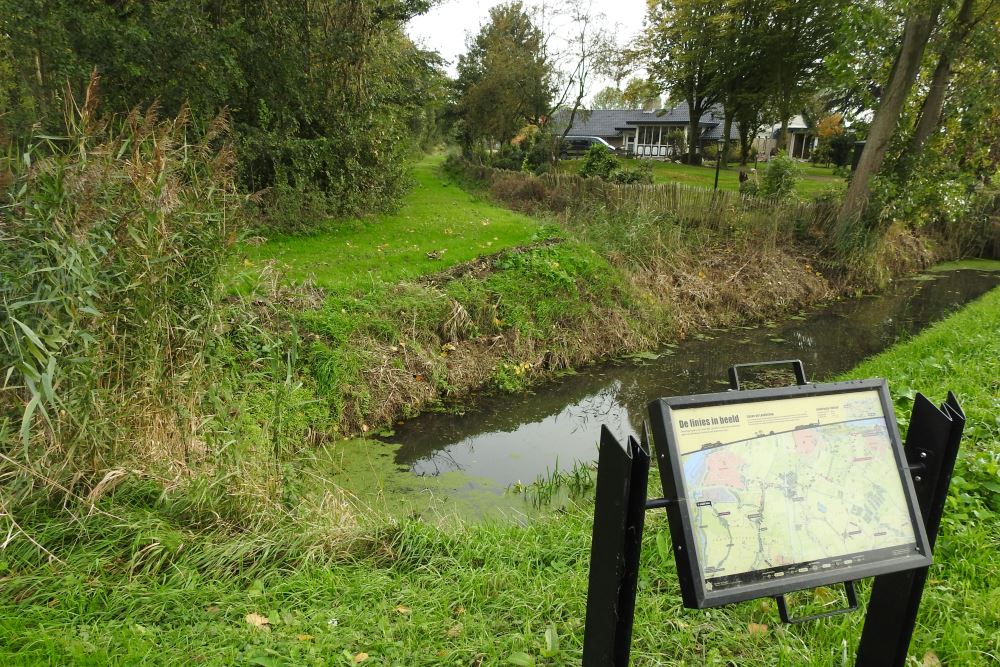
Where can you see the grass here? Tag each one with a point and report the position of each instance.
(815, 179)
(136, 587)
(436, 217)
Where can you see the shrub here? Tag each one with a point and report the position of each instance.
(599, 162)
(520, 191)
(641, 174)
(780, 177)
(509, 157)
(841, 149)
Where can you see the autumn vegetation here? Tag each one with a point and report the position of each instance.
(231, 242)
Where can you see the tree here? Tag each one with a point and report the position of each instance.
(970, 13)
(682, 46)
(920, 21)
(745, 82)
(588, 48)
(323, 95)
(610, 98)
(642, 94)
(504, 79)
(803, 34)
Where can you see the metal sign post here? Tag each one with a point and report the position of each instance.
(622, 475)
(930, 450)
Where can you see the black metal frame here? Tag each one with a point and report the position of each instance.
(931, 449)
(622, 476)
(932, 443)
(852, 605)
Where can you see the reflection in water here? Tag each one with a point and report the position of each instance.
(516, 438)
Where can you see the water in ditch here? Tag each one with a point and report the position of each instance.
(506, 439)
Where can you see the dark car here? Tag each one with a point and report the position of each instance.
(579, 145)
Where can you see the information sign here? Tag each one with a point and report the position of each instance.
(784, 489)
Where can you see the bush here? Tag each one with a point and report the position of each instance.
(841, 149)
(509, 157)
(539, 146)
(520, 191)
(641, 174)
(599, 162)
(780, 177)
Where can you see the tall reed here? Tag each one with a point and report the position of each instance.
(113, 239)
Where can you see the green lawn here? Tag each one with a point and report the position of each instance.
(815, 179)
(435, 217)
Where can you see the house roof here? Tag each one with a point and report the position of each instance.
(610, 123)
(796, 125)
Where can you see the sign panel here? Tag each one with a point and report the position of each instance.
(784, 489)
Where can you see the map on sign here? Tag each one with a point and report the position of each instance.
(782, 488)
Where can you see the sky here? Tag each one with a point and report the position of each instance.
(445, 27)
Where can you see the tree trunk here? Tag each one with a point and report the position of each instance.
(727, 128)
(782, 143)
(916, 32)
(744, 145)
(930, 111)
(694, 140)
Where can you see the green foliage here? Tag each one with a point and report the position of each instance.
(599, 162)
(643, 173)
(837, 150)
(610, 98)
(504, 79)
(115, 237)
(327, 99)
(780, 176)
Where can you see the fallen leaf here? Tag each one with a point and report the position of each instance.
(401, 609)
(258, 621)
(360, 657)
(757, 628)
(454, 630)
(930, 659)
(305, 638)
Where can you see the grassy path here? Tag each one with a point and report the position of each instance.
(139, 588)
(436, 217)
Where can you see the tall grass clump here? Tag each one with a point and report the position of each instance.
(113, 239)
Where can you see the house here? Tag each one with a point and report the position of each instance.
(645, 134)
(801, 140)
